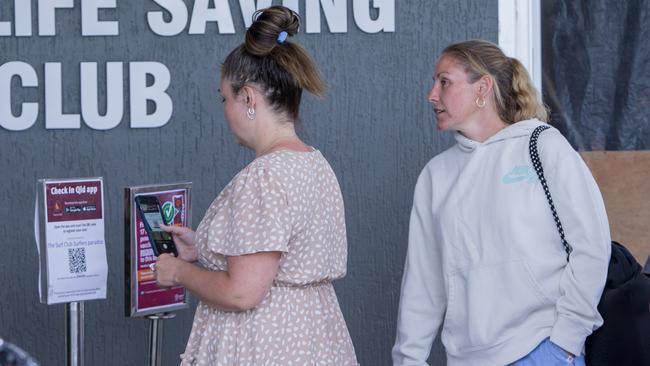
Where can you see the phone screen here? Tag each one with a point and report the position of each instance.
(154, 218)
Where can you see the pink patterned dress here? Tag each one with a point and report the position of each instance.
(289, 202)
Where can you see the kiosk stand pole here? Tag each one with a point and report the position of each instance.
(74, 333)
(155, 336)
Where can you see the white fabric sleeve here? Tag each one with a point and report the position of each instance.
(256, 217)
(581, 210)
(423, 298)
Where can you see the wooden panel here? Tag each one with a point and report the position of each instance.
(624, 180)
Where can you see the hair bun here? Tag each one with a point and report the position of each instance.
(262, 36)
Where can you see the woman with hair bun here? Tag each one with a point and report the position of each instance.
(485, 259)
(272, 242)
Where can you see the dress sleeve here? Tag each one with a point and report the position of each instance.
(256, 216)
(423, 299)
(581, 210)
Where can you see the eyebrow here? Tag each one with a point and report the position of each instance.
(440, 73)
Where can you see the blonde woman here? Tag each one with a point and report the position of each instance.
(485, 260)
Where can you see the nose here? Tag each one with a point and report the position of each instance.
(434, 94)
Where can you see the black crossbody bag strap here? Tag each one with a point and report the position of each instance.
(537, 164)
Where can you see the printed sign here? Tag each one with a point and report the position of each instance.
(70, 240)
(144, 296)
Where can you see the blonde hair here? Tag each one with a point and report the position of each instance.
(514, 93)
(280, 67)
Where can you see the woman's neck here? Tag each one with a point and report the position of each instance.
(485, 129)
(282, 140)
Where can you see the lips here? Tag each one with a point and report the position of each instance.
(438, 110)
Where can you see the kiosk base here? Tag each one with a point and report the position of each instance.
(155, 336)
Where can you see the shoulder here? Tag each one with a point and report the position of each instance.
(259, 175)
(264, 164)
(552, 137)
(435, 170)
(283, 168)
(443, 162)
(272, 165)
(560, 161)
(548, 137)
(553, 146)
(283, 161)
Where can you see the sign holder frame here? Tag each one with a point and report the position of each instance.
(41, 229)
(131, 259)
(130, 250)
(74, 310)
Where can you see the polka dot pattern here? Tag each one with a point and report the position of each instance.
(289, 202)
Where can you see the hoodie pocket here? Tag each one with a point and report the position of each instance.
(488, 303)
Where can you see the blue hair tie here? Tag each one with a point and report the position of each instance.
(282, 37)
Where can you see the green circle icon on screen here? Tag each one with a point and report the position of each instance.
(168, 212)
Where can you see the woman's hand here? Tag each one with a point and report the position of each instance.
(167, 268)
(184, 240)
(569, 354)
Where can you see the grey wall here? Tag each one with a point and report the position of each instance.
(374, 126)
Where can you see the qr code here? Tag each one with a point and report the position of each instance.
(77, 260)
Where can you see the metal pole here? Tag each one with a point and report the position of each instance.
(74, 333)
(155, 337)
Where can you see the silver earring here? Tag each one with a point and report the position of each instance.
(250, 113)
(480, 104)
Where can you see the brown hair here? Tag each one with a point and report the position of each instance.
(514, 93)
(281, 69)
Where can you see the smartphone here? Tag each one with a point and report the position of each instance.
(151, 215)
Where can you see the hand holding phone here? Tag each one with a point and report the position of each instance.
(184, 239)
(151, 215)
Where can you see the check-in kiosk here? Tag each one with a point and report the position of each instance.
(143, 297)
(69, 232)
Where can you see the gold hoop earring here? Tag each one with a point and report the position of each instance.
(250, 113)
(480, 104)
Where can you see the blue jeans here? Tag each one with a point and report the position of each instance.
(548, 353)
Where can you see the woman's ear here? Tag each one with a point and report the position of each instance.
(484, 85)
(249, 95)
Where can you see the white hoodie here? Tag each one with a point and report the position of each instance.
(485, 258)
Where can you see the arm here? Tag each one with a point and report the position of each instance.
(581, 210)
(423, 298)
(242, 287)
(252, 232)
